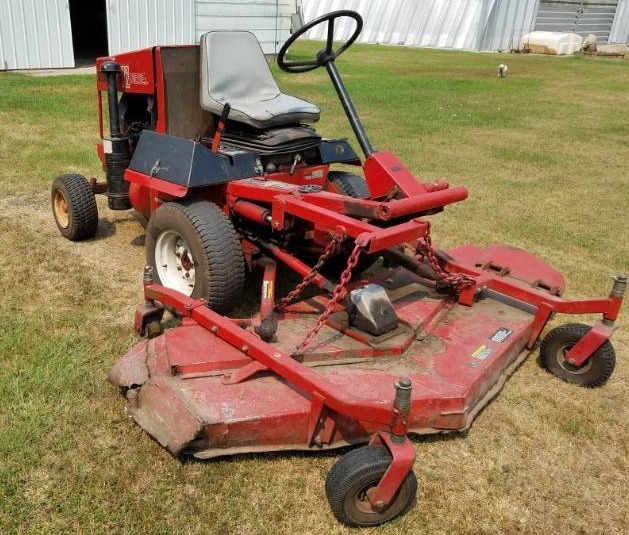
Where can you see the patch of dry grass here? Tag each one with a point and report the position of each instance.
(544, 155)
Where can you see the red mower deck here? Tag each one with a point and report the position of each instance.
(456, 357)
(202, 393)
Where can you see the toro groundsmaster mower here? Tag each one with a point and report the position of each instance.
(231, 179)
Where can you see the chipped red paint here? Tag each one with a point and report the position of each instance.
(439, 347)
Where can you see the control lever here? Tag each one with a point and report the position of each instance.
(221, 127)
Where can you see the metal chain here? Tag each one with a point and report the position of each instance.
(338, 293)
(330, 249)
(456, 281)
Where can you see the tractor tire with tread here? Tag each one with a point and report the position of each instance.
(592, 373)
(349, 184)
(193, 248)
(353, 475)
(354, 186)
(74, 207)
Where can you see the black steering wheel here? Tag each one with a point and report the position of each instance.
(325, 55)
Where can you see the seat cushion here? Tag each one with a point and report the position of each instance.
(235, 71)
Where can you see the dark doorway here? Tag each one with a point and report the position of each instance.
(89, 30)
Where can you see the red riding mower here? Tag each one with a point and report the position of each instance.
(235, 180)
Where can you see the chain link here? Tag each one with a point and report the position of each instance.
(338, 293)
(330, 249)
(425, 249)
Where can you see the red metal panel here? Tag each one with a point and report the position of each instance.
(193, 350)
(161, 410)
(585, 347)
(155, 185)
(511, 261)
(458, 359)
(138, 74)
(384, 172)
(467, 260)
(403, 454)
(140, 198)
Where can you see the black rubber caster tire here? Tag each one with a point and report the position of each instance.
(74, 207)
(194, 249)
(353, 475)
(592, 373)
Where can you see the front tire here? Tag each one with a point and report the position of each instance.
(354, 186)
(348, 184)
(74, 207)
(592, 373)
(351, 478)
(194, 249)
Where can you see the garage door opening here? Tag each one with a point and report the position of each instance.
(89, 30)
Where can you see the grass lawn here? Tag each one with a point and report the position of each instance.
(544, 154)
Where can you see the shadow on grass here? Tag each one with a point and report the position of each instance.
(108, 227)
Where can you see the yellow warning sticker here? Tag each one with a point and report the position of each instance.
(267, 287)
(482, 352)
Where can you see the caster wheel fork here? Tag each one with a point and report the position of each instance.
(373, 484)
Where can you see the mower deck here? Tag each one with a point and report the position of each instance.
(457, 358)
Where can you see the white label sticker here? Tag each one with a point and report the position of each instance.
(501, 335)
(107, 148)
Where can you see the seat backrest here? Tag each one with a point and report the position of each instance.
(234, 68)
(235, 71)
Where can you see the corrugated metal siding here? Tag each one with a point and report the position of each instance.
(35, 34)
(582, 17)
(460, 24)
(437, 23)
(133, 24)
(268, 20)
(508, 21)
(620, 29)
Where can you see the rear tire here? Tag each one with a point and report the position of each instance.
(74, 207)
(592, 373)
(351, 478)
(194, 249)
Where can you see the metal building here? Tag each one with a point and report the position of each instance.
(37, 34)
(477, 24)
(62, 33)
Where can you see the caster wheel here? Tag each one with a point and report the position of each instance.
(350, 479)
(592, 373)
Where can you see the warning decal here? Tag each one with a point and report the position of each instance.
(482, 352)
(501, 335)
(267, 289)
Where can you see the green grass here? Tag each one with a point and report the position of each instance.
(544, 154)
